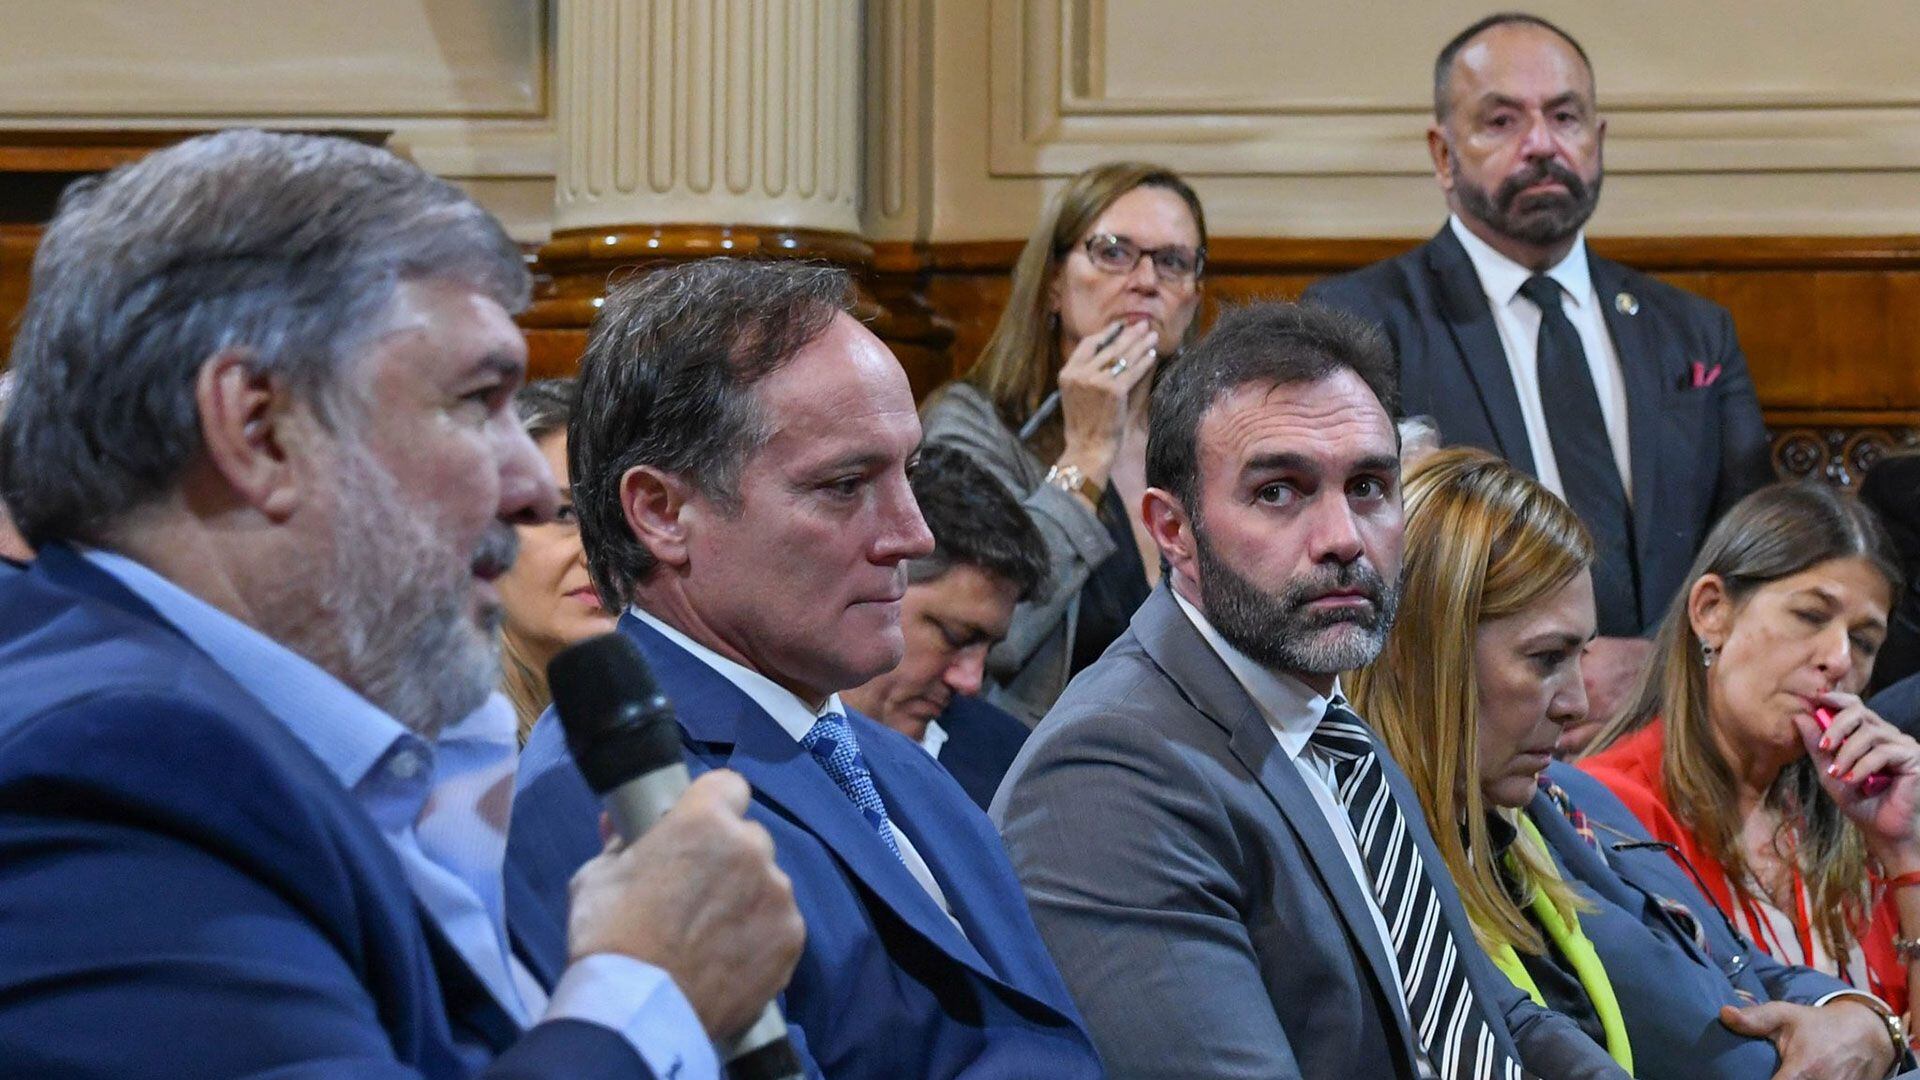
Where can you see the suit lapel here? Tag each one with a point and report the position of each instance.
(1464, 310)
(536, 940)
(1642, 364)
(745, 739)
(1203, 678)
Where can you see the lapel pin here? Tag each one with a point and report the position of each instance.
(1626, 304)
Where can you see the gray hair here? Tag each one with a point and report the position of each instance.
(287, 248)
(667, 381)
(545, 406)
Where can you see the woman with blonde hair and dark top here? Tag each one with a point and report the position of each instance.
(547, 598)
(1565, 891)
(1749, 751)
(1055, 407)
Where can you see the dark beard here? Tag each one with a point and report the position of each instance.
(1280, 633)
(1545, 220)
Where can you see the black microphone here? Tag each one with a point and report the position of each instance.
(623, 736)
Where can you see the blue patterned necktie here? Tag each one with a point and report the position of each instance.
(1449, 1028)
(830, 741)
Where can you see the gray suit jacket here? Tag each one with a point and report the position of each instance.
(1029, 668)
(1196, 901)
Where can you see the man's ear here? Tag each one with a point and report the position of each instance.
(253, 432)
(1172, 531)
(655, 504)
(1442, 154)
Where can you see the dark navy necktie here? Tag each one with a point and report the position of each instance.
(1589, 476)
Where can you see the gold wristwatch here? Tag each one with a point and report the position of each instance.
(1070, 479)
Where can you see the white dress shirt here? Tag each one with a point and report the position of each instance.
(934, 739)
(1519, 323)
(796, 719)
(1292, 710)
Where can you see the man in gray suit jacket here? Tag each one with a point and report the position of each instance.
(1230, 871)
(1622, 394)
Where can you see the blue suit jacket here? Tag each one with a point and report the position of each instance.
(887, 988)
(1899, 705)
(982, 740)
(1670, 990)
(187, 892)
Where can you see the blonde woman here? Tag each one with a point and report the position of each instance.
(1565, 892)
(547, 598)
(1747, 747)
(1105, 291)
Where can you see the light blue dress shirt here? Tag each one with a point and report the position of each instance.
(396, 776)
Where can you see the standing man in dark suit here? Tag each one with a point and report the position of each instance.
(253, 777)
(1231, 871)
(739, 460)
(987, 557)
(1625, 396)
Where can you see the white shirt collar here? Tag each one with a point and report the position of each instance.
(1501, 277)
(1290, 707)
(786, 708)
(934, 739)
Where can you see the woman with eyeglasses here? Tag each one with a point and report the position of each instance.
(1104, 292)
(1748, 750)
(1565, 890)
(547, 599)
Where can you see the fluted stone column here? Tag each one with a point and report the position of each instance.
(690, 128)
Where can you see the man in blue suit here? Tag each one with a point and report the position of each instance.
(740, 462)
(987, 557)
(253, 781)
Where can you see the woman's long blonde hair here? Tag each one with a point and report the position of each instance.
(1020, 364)
(1774, 533)
(544, 407)
(1483, 541)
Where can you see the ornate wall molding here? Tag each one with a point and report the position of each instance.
(1058, 108)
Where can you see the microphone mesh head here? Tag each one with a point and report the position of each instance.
(619, 725)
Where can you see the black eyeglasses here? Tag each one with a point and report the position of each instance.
(1173, 264)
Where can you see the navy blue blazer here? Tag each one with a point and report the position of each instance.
(887, 987)
(187, 892)
(1899, 705)
(982, 740)
(1697, 449)
(1670, 989)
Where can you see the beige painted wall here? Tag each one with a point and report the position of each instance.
(1307, 117)
(461, 84)
(1294, 117)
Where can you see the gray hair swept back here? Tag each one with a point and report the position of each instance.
(288, 248)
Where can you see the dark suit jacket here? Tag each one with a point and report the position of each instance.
(1899, 705)
(189, 893)
(887, 986)
(1670, 989)
(1892, 488)
(1196, 899)
(982, 739)
(1696, 451)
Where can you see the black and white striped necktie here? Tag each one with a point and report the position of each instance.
(1449, 1027)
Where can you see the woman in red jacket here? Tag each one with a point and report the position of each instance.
(1749, 751)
